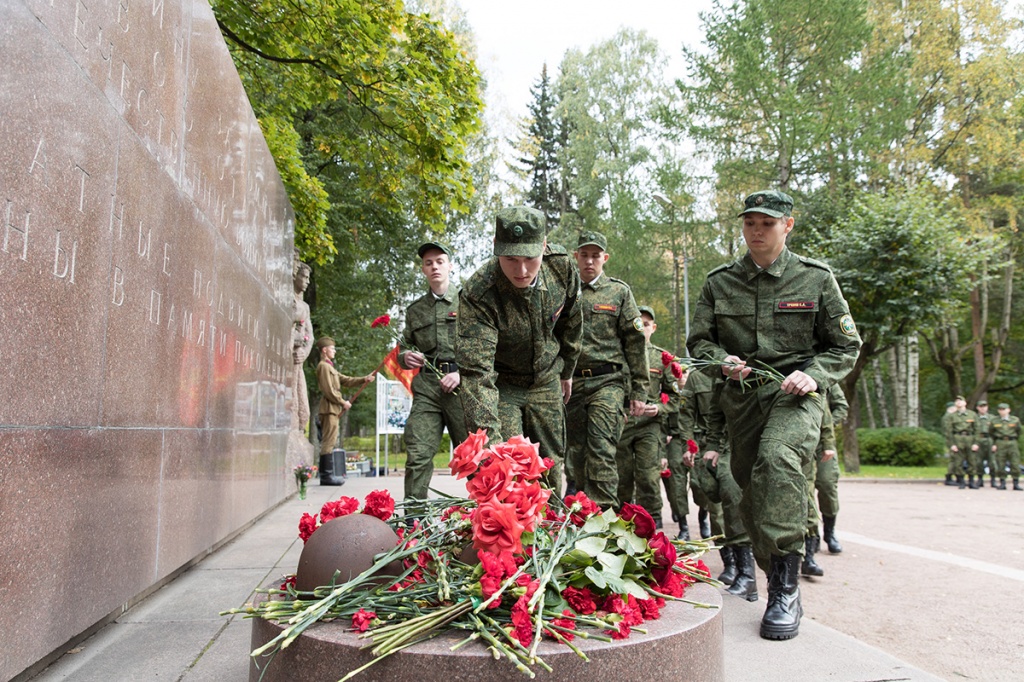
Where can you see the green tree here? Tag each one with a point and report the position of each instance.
(900, 259)
(540, 161)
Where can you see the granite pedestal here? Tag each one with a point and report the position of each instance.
(685, 644)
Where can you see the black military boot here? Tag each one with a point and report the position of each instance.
(782, 617)
(745, 583)
(809, 566)
(829, 535)
(960, 482)
(949, 479)
(1002, 484)
(971, 484)
(981, 481)
(684, 531)
(992, 482)
(1016, 484)
(705, 523)
(327, 476)
(728, 575)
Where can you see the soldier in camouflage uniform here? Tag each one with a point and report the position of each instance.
(984, 443)
(702, 420)
(1005, 446)
(787, 312)
(702, 484)
(640, 447)
(519, 331)
(961, 429)
(826, 478)
(823, 456)
(429, 337)
(952, 460)
(612, 362)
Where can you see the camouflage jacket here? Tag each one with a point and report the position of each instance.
(661, 381)
(430, 329)
(836, 409)
(613, 332)
(789, 316)
(525, 337)
(700, 417)
(960, 424)
(1001, 430)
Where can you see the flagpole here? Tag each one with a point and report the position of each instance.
(373, 372)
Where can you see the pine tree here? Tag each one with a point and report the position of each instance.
(541, 164)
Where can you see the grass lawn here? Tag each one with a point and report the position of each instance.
(881, 471)
(396, 460)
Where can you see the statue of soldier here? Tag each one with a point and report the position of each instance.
(302, 344)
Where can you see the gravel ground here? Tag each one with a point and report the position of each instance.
(931, 574)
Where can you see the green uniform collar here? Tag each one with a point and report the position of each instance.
(775, 269)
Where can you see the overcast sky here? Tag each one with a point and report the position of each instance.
(515, 39)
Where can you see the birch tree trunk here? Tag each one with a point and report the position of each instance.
(913, 388)
(867, 401)
(898, 381)
(883, 408)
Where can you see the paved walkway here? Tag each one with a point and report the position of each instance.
(176, 634)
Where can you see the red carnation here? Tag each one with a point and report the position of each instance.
(567, 621)
(666, 473)
(379, 503)
(580, 599)
(522, 621)
(587, 507)
(664, 555)
(307, 524)
(649, 609)
(343, 506)
(289, 581)
(382, 321)
(361, 620)
(691, 447)
(664, 398)
(643, 523)
(667, 358)
(677, 370)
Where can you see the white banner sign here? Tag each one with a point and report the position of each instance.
(393, 405)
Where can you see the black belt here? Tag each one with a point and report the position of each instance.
(599, 371)
(446, 366)
(1005, 438)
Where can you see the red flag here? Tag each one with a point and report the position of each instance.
(396, 371)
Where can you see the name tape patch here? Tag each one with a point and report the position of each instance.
(605, 308)
(796, 305)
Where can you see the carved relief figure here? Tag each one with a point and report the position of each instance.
(302, 344)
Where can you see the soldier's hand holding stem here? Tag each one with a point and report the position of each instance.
(799, 383)
(954, 448)
(735, 368)
(711, 456)
(413, 360)
(827, 455)
(450, 381)
(638, 408)
(974, 448)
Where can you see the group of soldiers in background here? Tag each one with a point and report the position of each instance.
(544, 343)
(978, 442)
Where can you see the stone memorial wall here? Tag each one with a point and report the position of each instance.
(145, 310)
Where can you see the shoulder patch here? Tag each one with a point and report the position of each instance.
(638, 324)
(847, 325)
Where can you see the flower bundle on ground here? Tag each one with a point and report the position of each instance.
(303, 472)
(507, 567)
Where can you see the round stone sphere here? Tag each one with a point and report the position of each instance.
(347, 544)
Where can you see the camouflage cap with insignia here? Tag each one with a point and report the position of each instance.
(647, 310)
(520, 231)
(427, 246)
(1003, 406)
(982, 403)
(770, 202)
(596, 238)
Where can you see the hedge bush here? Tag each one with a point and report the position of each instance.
(900, 447)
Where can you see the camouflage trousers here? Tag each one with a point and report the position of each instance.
(638, 461)
(595, 416)
(773, 436)
(985, 456)
(822, 477)
(724, 494)
(676, 484)
(432, 411)
(1007, 452)
(964, 456)
(538, 414)
(703, 486)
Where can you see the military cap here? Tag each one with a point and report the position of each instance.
(770, 202)
(982, 402)
(427, 246)
(1003, 406)
(520, 231)
(960, 397)
(647, 310)
(324, 342)
(596, 238)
